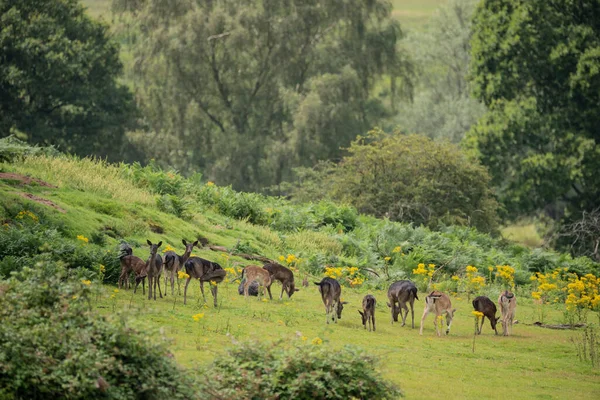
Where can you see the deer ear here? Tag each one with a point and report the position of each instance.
(195, 243)
(344, 302)
(149, 242)
(361, 313)
(453, 311)
(184, 242)
(159, 244)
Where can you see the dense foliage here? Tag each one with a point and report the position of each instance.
(408, 178)
(535, 65)
(263, 370)
(52, 345)
(58, 71)
(246, 90)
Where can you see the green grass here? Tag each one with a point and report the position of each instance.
(533, 363)
(523, 233)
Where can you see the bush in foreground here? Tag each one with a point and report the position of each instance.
(255, 370)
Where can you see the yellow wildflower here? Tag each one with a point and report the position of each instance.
(182, 275)
(304, 338)
(265, 300)
(397, 249)
(116, 291)
(82, 238)
(478, 314)
(387, 258)
(455, 278)
(86, 282)
(209, 183)
(213, 283)
(317, 341)
(198, 317)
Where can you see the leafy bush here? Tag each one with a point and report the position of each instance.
(12, 149)
(158, 181)
(53, 346)
(271, 371)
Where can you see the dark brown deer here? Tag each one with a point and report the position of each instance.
(254, 273)
(155, 266)
(508, 306)
(368, 312)
(204, 271)
(400, 293)
(174, 262)
(284, 275)
(330, 294)
(439, 303)
(129, 263)
(486, 306)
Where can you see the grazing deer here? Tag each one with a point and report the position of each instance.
(129, 263)
(399, 294)
(155, 266)
(174, 262)
(439, 303)
(508, 305)
(252, 290)
(368, 312)
(204, 271)
(284, 275)
(330, 294)
(488, 308)
(255, 273)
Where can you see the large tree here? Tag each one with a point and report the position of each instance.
(245, 90)
(536, 65)
(58, 78)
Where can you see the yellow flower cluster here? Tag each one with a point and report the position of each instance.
(397, 249)
(198, 317)
(86, 282)
(421, 270)
(548, 286)
(477, 282)
(474, 281)
(317, 341)
(583, 292)
(477, 314)
(291, 260)
(506, 275)
(351, 274)
(82, 238)
(29, 214)
(168, 248)
(209, 183)
(182, 275)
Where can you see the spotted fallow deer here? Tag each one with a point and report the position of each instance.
(174, 262)
(129, 263)
(255, 273)
(508, 304)
(155, 266)
(440, 304)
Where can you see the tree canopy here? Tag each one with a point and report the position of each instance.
(244, 91)
(536, 66)
(58, 71)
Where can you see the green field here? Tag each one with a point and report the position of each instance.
(533, 363)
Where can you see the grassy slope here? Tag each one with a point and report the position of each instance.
(537, 362)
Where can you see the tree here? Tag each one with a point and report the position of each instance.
(409, 178)
(536, 66)
(58, 71)
(245, 90)
(443, 107)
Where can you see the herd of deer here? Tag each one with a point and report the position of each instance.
(399, 294)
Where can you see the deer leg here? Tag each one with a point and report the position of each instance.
(187, 282)
(246, 287)
(137, 283)
(405, 308)
(150, 287)
(159, 291)
(173, 283)
(166, 284)
(202, 290)
(412, 313)
(373, 318)
(481, 326)
(178, 288)
(425, 312)
(213, 290)
(144, 286)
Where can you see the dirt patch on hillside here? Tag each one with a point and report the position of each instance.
(40, 200)
(24, 180)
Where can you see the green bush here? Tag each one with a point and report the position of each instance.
(52, 345)
(255, 370)
(12, 149)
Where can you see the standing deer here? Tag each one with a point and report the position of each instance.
(488, 308)
(330, 294)
(129, 263)
(255, 273)
(439, 303)
(204, 271)
(508, 305)
(174, 262)
(399, 294)
(284, 275)
(155, 266)
(368, 312)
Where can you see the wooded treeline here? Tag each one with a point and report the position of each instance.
(272, 95)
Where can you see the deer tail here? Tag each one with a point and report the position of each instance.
(414, 292)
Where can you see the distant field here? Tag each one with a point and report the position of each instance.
(412, 14)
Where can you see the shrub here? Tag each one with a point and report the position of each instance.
(271, 371)
(53, 346)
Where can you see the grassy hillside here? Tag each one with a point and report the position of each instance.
(104, 204)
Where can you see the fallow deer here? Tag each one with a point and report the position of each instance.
(440, 304)
(400, 293)
(330, 294)
(368, 312)
(129, 263)
(254, 273)
(204, 271)
(508, 306)
(284, 275)
(155, 266)
(174, 262)
(486, 306)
